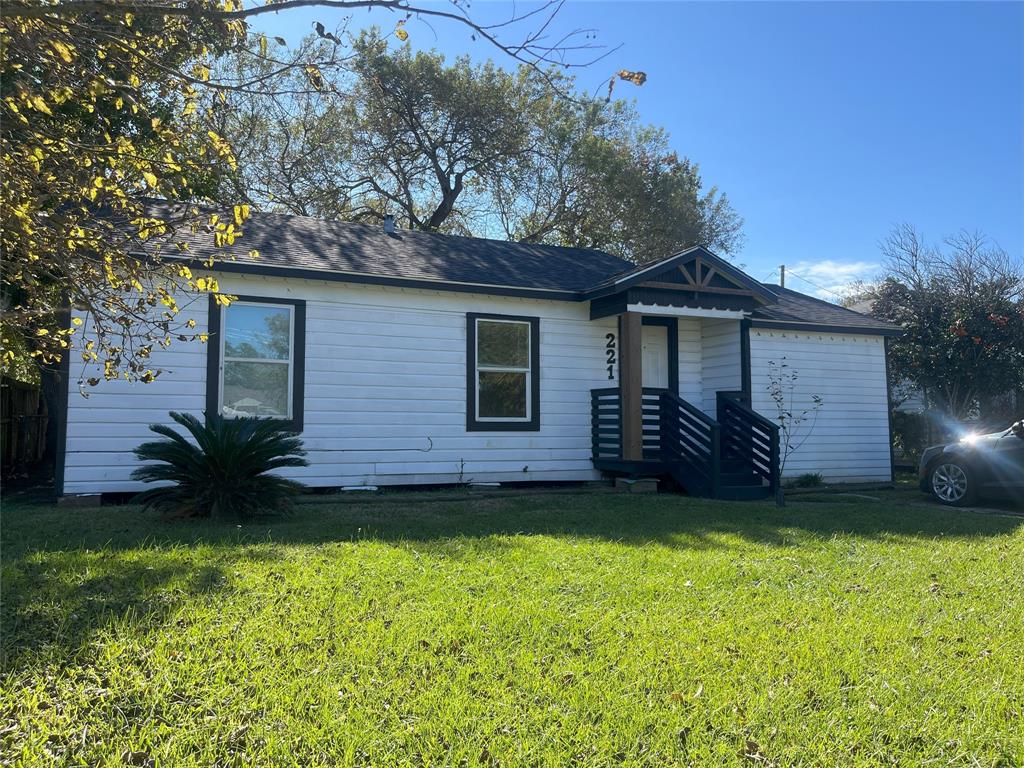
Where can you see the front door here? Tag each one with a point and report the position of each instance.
(655, 356)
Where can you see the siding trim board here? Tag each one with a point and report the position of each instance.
(473, 424)
(745, 359)
(213, 361)
(63, 409)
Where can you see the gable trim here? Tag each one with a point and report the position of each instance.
(716, 264)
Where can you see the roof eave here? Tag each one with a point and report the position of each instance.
(268, 270)
(810, 327)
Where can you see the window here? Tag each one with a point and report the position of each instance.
(503, 373)
(257, 359)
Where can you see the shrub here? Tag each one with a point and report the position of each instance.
(224, 473)
(807, 480)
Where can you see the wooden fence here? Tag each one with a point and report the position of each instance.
(23, 421)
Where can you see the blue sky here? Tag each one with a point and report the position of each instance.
(825, 123)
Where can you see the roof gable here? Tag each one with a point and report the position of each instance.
(694, 269)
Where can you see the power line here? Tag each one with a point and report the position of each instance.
(819, 287)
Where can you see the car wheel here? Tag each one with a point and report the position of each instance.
(952, 484)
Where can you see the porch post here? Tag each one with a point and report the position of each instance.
(631, 386)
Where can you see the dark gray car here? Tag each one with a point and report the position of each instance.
(978, 466)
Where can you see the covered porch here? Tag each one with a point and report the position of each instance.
(681, 406)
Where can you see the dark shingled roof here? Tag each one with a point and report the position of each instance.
(302, 242)
(794, 307)
(288, 242)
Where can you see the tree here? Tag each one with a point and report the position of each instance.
(961, 306)
(796, 414)
(471, 149)
(107, 105)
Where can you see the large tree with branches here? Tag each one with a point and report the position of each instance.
(108, 104)
(473, 149)
(961, 305)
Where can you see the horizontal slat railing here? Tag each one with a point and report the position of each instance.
(750, 437)
(691, 438)
(651, 415)
(606, 423)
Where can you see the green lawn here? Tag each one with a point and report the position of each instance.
(586, 629)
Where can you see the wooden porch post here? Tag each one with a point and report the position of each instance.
(631, 386)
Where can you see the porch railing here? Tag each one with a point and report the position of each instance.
(692, 439)
(606, 423)
(749, 437)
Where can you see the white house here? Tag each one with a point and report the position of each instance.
(411, 358)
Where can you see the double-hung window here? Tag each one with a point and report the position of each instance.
(503, 376)
(257, 345)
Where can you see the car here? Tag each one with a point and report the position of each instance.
(976, 467)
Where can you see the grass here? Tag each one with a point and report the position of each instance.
(588, 629)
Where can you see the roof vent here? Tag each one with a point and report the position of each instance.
(389, 224)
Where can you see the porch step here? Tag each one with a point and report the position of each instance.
(743, 492)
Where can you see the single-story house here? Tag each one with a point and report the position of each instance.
(411, 358)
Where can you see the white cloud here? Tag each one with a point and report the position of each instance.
(828, 279)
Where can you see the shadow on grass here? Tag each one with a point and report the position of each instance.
(672, 520)
(71, 573)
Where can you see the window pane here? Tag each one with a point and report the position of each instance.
(260, 332)
(502, 395)
(255, 389)
(503, 344)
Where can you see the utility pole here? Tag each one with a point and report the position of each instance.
(782, 275)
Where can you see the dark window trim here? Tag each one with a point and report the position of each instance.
(294, 424)
(672, 323)
(473, 424)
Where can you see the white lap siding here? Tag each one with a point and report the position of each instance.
(849, 440)
(385, 392)
(721, 364)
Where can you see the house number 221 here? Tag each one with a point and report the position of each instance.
(609, 351)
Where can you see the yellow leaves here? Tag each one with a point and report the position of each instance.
(254, 254)
(315, 77)
(400, 32)
(39, 104)
(128, 19)
(190, 108)
(170, 163)
(636, 78)
(263, 45)
(223, 148)
(185, 272)
(76, 321)
(201, 71)
(150, 178)
(207, 284)
(66, 52)
(241, 214)
(42, 332)
(222, 300)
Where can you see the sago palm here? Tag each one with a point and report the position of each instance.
(225, 472)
